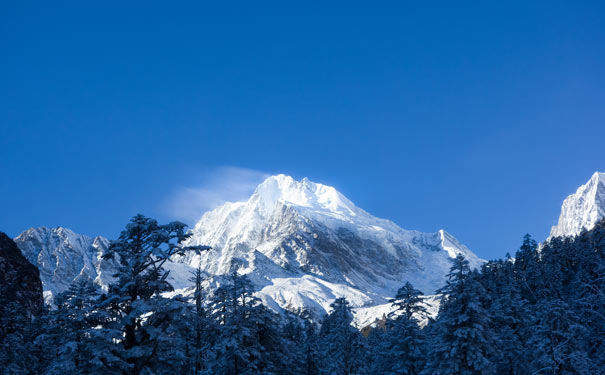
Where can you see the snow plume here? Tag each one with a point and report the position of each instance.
(218, 186)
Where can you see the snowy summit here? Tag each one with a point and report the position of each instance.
(303, 244)
(583, 209)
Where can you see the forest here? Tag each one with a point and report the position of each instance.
(541, 311)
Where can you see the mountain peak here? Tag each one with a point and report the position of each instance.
(583, 209)
(62, 256)
(58, 230)
(304, 193)
(304, 243)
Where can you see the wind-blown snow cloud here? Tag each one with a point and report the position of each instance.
(223, 184)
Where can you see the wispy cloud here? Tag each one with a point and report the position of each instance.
(223, 184)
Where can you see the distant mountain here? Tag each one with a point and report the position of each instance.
(63, 256)
(19, 280)
(583, 209)
(304, 244)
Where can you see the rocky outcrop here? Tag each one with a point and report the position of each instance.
(63, 256)
(19, 279)
(583, 209)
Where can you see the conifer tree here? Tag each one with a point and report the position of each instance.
(559, 341)
(342, 351)
(67, 334)
(200, 323)
(527, 271)
(311, 350)
(402, 351)
(461, 339)
(249, 340)
(137, 315)
(19, 352)
(510, 315)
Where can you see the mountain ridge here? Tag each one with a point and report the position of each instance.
(63, 256)
(304, 243)
(582, 209)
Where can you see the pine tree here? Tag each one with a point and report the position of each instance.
(66, 334)
(559, 341)
(341, 348)
(461, 339)
(200, 323)
(402, 351)
(311, 349)
(249, 339)
(511, 317)
(294, 337)
(19, 353)
(527, 272)
(409, 303)
(134, 339)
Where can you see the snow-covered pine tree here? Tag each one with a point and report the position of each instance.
(66, 334)
(409, 303)
(19, 353)
(134, 339)
(559, 342)
(293, 333)
(511, 318)
(527, 271)
(200, 323)
(341, 349)
(195, 328)
(590, 298)
(311, 349)
(461, 340)
(249, 339)
(402, 351)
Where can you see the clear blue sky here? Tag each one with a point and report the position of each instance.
(475, 117)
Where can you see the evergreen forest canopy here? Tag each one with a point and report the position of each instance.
(541, 312)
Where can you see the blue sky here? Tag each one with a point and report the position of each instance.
(474, 117)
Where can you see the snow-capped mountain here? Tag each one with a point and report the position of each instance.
(583, 209)
(304, 244)
(63, 256)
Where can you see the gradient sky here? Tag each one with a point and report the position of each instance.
(475, 117)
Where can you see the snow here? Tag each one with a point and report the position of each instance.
(62, 256)
(302, 244)
(583, 209)
(311, 292)
(365, 316)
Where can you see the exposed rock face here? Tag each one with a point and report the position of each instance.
(63, 256)
(19, 279)
(583, 209)
(303, 244)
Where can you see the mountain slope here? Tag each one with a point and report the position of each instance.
(63, 256)
(583, 209)
(304, 244)
(19, 279)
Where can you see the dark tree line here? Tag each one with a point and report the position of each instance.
(541, 312)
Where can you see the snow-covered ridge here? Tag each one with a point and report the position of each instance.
(63, 256)
(304, 244)
(583, 209)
